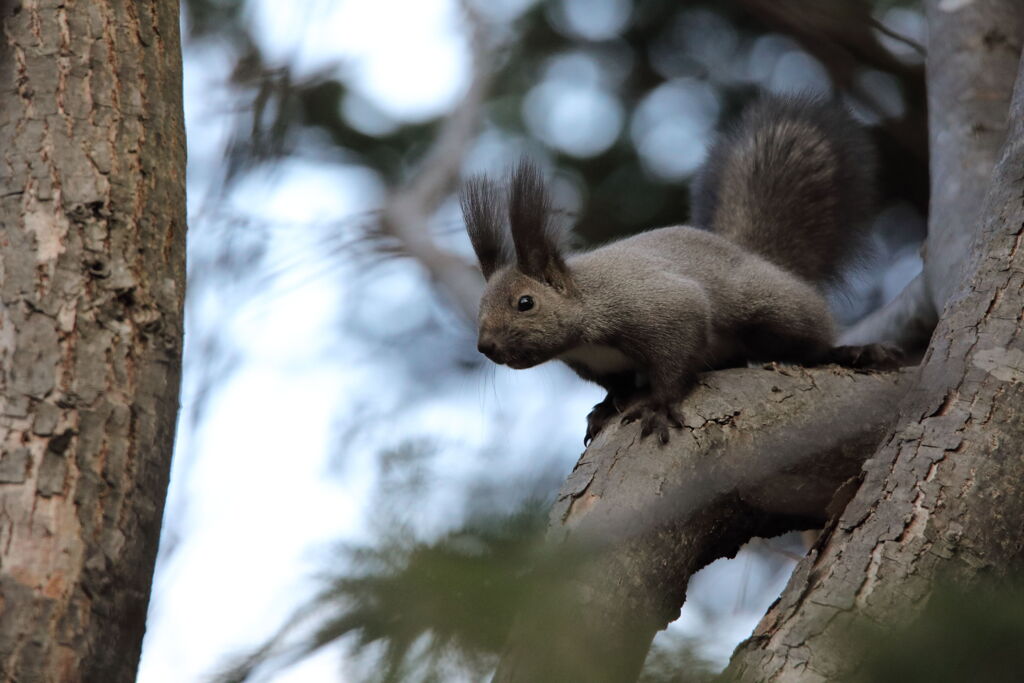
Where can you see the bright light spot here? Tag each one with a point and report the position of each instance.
(579, 120)
(492, 150)
(300, 191)
(765, 54)
(672, 150)
(410, 58)
(207, 119)
(909, 24)
(573, 67)
(797, 71)
(593, 20)
(728, 598)
(672, 126)
(385, 308)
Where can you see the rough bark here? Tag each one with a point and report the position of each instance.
(636, 520)
(945, 494)
(91, 290)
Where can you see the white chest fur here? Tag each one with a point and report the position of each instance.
(599, 359)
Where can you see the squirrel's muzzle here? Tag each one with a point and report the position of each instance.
(488, 346)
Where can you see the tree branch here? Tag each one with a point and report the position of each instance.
(907, 321)
(407, 213)
(971, 65)
(639, 519)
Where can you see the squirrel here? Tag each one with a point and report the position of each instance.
(781, 205)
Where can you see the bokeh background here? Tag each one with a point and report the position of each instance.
(356, 493)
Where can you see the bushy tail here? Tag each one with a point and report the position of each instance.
(794, 181)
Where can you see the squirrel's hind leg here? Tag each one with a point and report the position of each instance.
(807, 346)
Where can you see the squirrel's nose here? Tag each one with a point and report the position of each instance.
(486, 346)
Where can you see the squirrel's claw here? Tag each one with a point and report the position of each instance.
(598, 418)
(655, 418)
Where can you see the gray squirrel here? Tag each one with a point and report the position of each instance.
(782, 204)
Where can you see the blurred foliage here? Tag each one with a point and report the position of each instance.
(461, 592)
(675, 662)
(441, 610)
(962, 635)
(620, 193)
(425, 604)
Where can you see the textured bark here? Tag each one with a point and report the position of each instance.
(637, 520)
(945, 494)
(91, 289)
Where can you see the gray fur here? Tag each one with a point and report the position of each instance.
(537, 238)
(643, 315)
(483, 210)
(794, 181)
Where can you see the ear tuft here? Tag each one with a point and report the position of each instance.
(539, 243)
(483, 208)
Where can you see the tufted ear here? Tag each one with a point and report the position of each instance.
(483, 208)
(538, 240)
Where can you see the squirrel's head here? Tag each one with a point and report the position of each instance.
(530, 310)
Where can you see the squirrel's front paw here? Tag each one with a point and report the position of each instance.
(598, 418)
(867, 356)
(655, 418)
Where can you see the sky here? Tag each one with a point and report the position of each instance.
(259, 492)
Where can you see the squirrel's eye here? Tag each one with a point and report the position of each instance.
(525, 302)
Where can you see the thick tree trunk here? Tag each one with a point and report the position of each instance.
(92, 233)
(946, 492)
